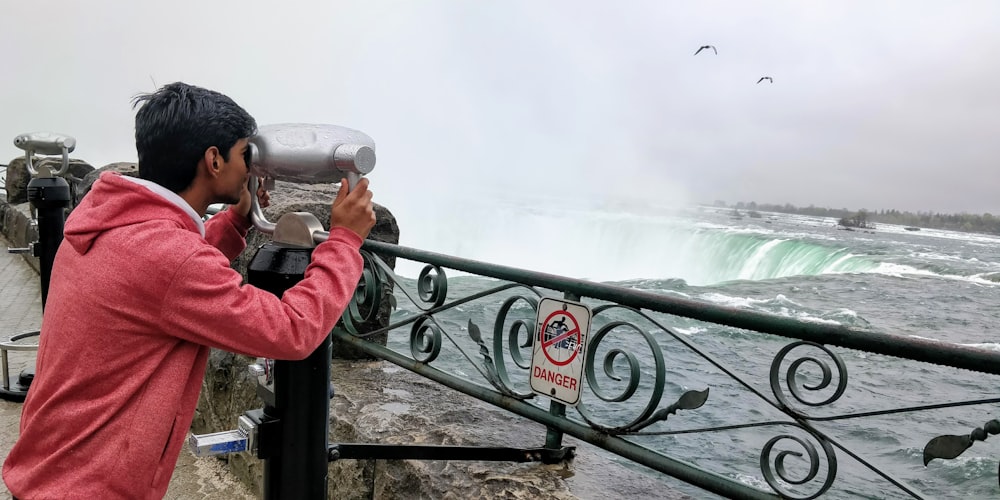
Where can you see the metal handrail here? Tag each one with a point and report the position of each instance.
(940, 353)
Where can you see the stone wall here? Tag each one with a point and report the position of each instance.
(15, 223)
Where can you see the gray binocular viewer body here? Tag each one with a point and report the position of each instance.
(311, 154)
(45, 143)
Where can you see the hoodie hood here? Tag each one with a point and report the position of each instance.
(115, 201)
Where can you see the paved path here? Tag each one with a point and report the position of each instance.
(21, 311)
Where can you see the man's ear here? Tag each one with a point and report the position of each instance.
(212, 159)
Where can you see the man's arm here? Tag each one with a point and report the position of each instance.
(227, 231)
(207, 304)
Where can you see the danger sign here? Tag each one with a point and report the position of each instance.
(559, 349)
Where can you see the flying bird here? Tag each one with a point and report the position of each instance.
(703, 47)
(765, 78)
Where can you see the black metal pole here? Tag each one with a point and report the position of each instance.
(296, 466)
(302, 404)
(50, 196)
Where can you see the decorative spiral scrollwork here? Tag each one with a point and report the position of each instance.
(364, 304)
(432, 285)
(633, 374)
(793, 371)
(432, 282)
(777, 476)
(513, 337)
(368, 294)
(425, 340)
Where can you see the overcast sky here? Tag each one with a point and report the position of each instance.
(874, 104)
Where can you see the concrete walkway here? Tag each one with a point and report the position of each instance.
(21, 311)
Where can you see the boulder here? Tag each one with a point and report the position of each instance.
(124, 168)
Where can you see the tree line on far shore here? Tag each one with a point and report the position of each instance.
(971, 223)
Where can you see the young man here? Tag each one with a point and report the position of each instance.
(141, 289)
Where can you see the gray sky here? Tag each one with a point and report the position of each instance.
(874, 104)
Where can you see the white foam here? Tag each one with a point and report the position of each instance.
(779, 305)
(694, 330)
(753, 481)
(918, 337)
(902, 270)
(989, 346)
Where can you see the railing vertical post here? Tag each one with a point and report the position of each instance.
(553, 437)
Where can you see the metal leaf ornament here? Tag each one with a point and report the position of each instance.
(951, 446)
(690, 400)
(946, 447)
(491, 370)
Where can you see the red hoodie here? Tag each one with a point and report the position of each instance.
(136, 299)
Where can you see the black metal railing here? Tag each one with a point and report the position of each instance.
(799, 431)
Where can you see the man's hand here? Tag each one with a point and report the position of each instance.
(263, 198)
(353, 208)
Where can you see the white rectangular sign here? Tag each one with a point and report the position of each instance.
(559, 348)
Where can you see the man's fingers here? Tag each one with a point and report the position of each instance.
(360, 187)
(342, 192)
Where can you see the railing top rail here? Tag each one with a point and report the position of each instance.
(957, 356)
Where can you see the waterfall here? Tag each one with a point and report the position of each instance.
(610, 245)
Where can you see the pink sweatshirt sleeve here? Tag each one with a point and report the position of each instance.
(205, 302)
(227, 231)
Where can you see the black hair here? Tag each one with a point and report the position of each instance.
(176, 125)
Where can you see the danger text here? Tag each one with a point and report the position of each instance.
(555, 378)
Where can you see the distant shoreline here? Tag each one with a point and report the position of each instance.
(986, 223)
